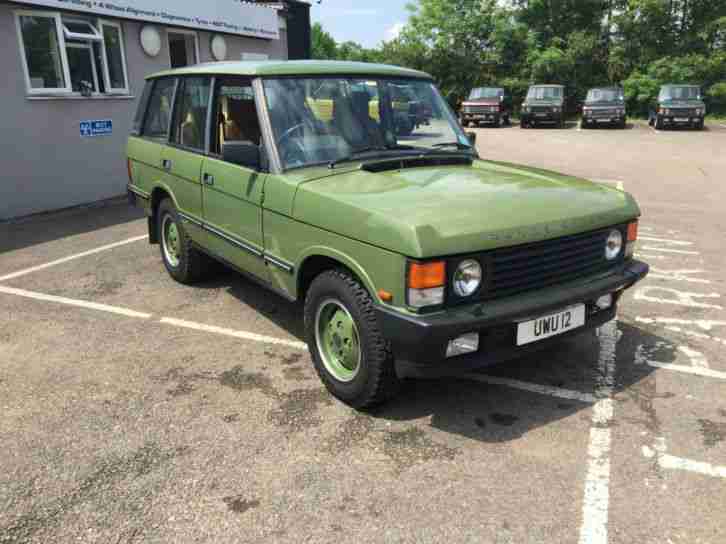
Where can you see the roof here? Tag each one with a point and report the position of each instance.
(679, 85)
(607, 87)
(546, 85)
(293, 68)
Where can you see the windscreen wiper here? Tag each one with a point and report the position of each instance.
(458, 145)
(367, 149)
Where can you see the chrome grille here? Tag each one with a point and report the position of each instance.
(683, 112)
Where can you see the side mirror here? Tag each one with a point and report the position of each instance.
(472, 137)
(244, 153)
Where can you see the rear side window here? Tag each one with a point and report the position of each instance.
(158, 114)
(141, 109)
(190, 116)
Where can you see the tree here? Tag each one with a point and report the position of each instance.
(323, 45)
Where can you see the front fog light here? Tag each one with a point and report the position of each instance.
(604, 302)
(613, 245)
(466, 343)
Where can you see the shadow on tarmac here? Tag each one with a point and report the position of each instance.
(41, 228)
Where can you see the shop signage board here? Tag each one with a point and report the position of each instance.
(101, 127)
(229, 16)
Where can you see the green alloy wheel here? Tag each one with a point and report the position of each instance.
(171, 241)
(337, 340)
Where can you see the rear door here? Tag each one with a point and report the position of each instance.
(184, 156)
(232, 185)
(146, 147)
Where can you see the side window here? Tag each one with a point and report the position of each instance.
(235, 113)
(190, 115)
(156, 124)
(141, 109)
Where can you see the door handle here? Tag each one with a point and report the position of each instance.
(166, 164)
(208, 179)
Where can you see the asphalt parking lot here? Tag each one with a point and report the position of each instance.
(140, 410)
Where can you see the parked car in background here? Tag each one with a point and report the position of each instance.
(678, 105)
(604, 106)
(404, 250)
(544, 104)
(486, 105)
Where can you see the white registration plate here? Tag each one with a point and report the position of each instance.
(681, 119)
(550, 325)
(603, 120)
(540, 114)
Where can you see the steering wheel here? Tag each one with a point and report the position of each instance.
(296, 151)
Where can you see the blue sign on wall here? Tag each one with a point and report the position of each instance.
(96, 128)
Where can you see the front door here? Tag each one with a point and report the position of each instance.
(231, 184)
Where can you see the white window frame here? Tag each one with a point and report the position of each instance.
(104, 56)
(88, 47)
(60, 33)
(95, 36)
(188, 33)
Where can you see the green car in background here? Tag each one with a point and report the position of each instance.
(678, 105)
(604, 106)
(544, 105)
(410, 255)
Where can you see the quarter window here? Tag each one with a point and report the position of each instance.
(71, 55)
(156, 124)
(190, 117)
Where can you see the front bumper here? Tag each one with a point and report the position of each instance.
(481, 117)
(419, 342)
(542, 117)
(604, 119)
(677, 120)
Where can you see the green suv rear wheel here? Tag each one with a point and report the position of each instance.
(183, 262)
(349, 352)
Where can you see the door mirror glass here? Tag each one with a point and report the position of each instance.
(242, 153)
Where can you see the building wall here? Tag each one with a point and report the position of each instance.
(44, 163)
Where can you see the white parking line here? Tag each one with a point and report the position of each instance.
(547, 390)
(71, 258)
(73, 302)
(665, 241)
(678, 463)
(594, 529)
(229, 332)
(695, 370)
(668, 250)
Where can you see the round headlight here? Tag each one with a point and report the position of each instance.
(614, 244)
(467, 277)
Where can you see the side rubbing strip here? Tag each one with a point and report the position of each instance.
(271, 259)
(279, 263)
(139, 192)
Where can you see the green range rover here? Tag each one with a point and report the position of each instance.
(678, 105)
(411, 255)
(544, 105)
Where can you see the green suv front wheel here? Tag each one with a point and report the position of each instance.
(349, 352)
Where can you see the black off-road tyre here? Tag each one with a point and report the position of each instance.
(658, 124)
(193, 264)
(376, 381)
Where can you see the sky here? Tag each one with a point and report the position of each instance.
(367, 22)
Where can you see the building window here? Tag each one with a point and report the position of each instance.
(68, 55)
(44, 61)
(115, 59)
(183, 48)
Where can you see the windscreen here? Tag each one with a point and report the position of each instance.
(485, 92)
(544, 93)
(328, 119)
(605, 95)
(685, 92)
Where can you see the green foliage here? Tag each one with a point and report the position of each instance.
(639, 44)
